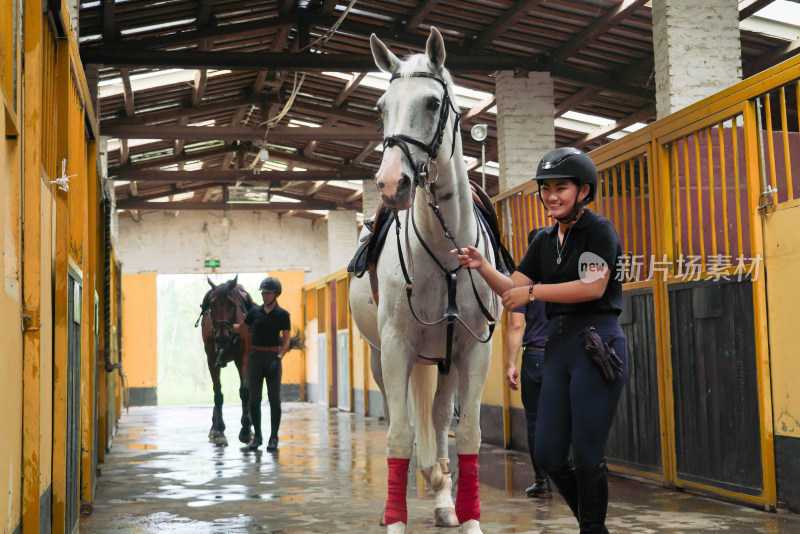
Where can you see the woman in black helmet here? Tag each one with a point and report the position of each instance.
(571, 266)
(270, 329)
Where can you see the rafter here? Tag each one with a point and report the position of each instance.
(237, 175)
(220, 32)
(478, 108)
(269, 206)
(175, 191)
(639, 116)
(369, 149)
(423, 10)
(109, 23)
(242, 133)
(127, 92)
(768, 59)
(503, 23)
(610, 19)
(345, 62)
(749, 8)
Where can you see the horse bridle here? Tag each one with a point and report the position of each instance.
(422, 180)
(422, 170)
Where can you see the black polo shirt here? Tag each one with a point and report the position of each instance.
(267, 327)
(592, 235)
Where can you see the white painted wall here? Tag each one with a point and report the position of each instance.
(525, 125)
(253, 241)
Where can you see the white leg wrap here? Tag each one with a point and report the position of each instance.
(471, 527)
(396, 528)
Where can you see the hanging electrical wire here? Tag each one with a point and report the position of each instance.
(321, 40)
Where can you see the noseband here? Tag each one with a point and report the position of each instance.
(422, 170)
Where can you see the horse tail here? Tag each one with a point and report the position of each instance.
(423, 390)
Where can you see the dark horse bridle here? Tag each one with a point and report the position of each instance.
(225, 325)
(423, 181)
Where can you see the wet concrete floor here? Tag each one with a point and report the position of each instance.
(329, 475)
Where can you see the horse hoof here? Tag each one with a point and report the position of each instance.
(445, 517)
(221, 440)
(471, 527)
(245, 436)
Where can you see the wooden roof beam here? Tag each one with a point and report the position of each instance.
(347, 62)
(418, 16)
(233, 206)
(109, 22)
(478, 108)
(127, 92)
(349, 87)
(224, 31)
(768, 59)
(642, 115)
(238, 175)
(748, 8)
(243, 133)
(503, 23)
(177, 190)
(610, 19)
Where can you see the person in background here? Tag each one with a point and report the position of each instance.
(270, 334)
(527, 327)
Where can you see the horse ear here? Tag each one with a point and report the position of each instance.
(434, 49)
(235, 280)
(211, 283)
(384, 58)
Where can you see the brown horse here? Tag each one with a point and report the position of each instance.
(225, 305)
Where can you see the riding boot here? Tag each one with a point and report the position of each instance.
(275, 419)
(255, 415)
(541, 486)
(593, 498)
(566, 482)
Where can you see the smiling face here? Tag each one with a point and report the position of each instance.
(560, 195)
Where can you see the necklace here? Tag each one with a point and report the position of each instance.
(560, 250)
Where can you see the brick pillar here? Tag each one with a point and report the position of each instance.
(525, 129)
(342, 238)
(370, 199)
(698, 50)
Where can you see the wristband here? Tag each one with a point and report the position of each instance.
(531, 294)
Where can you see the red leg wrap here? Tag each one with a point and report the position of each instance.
(468, 502)
(396, 509)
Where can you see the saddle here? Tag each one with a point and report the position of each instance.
(368, 252)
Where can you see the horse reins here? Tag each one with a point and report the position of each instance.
(421, 178)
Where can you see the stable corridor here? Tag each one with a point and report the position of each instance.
(329, 475)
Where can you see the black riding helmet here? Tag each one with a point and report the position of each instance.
(573, 164)
(271, 284)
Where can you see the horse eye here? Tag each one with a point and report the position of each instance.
(432, 104)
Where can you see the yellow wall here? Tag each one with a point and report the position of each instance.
(781, 258)
(291, 301)
(139, 332)
(11, 325)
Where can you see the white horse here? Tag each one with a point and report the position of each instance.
(407, 329)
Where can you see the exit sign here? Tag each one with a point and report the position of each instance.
(212, 263)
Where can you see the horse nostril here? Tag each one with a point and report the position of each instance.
(405, 183)
(381, 185)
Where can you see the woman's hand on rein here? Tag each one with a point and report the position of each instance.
(515, 297)
(471, 259)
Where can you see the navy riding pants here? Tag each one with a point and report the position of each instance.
(577, 404)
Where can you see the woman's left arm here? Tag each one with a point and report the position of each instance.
(590, 288)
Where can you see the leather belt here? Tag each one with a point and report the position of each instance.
(532, 347)
(266, 349)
